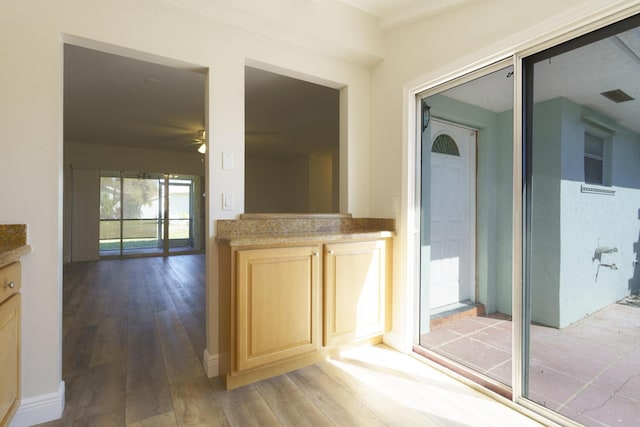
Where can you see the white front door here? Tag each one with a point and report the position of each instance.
(452, 216)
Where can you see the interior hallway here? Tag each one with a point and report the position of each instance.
(133, 342)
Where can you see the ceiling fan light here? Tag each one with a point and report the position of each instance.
(203, 148)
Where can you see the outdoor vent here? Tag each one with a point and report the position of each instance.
(617, 96)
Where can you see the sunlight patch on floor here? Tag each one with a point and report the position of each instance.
(423, 388)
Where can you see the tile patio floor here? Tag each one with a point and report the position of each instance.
(589, 371)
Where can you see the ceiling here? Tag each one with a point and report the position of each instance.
(394, 13)
(113, 100)
(580, 75)
(110, 99)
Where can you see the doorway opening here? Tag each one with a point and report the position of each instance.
(134, 174)
(134, 147)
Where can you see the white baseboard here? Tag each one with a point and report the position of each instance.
(40, 409)
(397, 342)
(211, 363)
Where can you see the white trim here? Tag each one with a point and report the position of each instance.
(40, 409)
(211, 364)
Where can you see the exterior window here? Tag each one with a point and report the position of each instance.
(593, 159)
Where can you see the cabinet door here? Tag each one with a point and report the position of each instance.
(355, 284)
(277, 304)
(9, 358)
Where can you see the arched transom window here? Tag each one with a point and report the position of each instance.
(444, 144)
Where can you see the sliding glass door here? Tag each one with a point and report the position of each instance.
(143, 213)
(549, 316)
(582, 142)
(466, 182)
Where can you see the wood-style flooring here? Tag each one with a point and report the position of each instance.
(134, 335)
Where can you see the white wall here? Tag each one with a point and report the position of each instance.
(31, 38)
(426, 52)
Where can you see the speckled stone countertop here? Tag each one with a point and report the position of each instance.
(260, 229)
(13, 243)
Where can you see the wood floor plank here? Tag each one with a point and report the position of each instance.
(111, 342)
(148, 392)
(244, 406)
(102, 399)
(163, 420)
(384, 399)
(341, 407)
(79, 342)
(195, 404)
(180, 359)
(289, 404)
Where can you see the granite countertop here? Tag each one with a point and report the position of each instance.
(276, 229)
(13, 243)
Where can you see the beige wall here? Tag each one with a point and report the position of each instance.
(31, 39)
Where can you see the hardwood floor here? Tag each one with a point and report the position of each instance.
(133, 344)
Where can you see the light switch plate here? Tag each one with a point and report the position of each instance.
(227, 201)
(227, 161)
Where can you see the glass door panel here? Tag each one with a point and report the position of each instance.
(180, 214)
(582, 331)
(466, 233)
(110, 213)
(141, 214)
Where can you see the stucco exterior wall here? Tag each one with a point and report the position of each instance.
(568, 224)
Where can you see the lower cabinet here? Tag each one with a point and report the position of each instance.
(282, 308)
(9, 342)
(278, 304)
(355, 287)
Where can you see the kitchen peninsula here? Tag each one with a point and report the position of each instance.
(293, 288)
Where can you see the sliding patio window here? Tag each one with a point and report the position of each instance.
(582, 171)
(145, 214)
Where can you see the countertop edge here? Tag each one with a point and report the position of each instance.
(13, 254)
(300, 238)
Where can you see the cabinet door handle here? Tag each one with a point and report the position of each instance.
(330, 252)
(10, 285)
(315, 254)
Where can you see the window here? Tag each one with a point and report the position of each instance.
(593, 159)
(142, 213)
(444, 144)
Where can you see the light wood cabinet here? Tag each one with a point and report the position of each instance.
(285, 307)
(9, 341)
(278, 307)
(355, 291)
